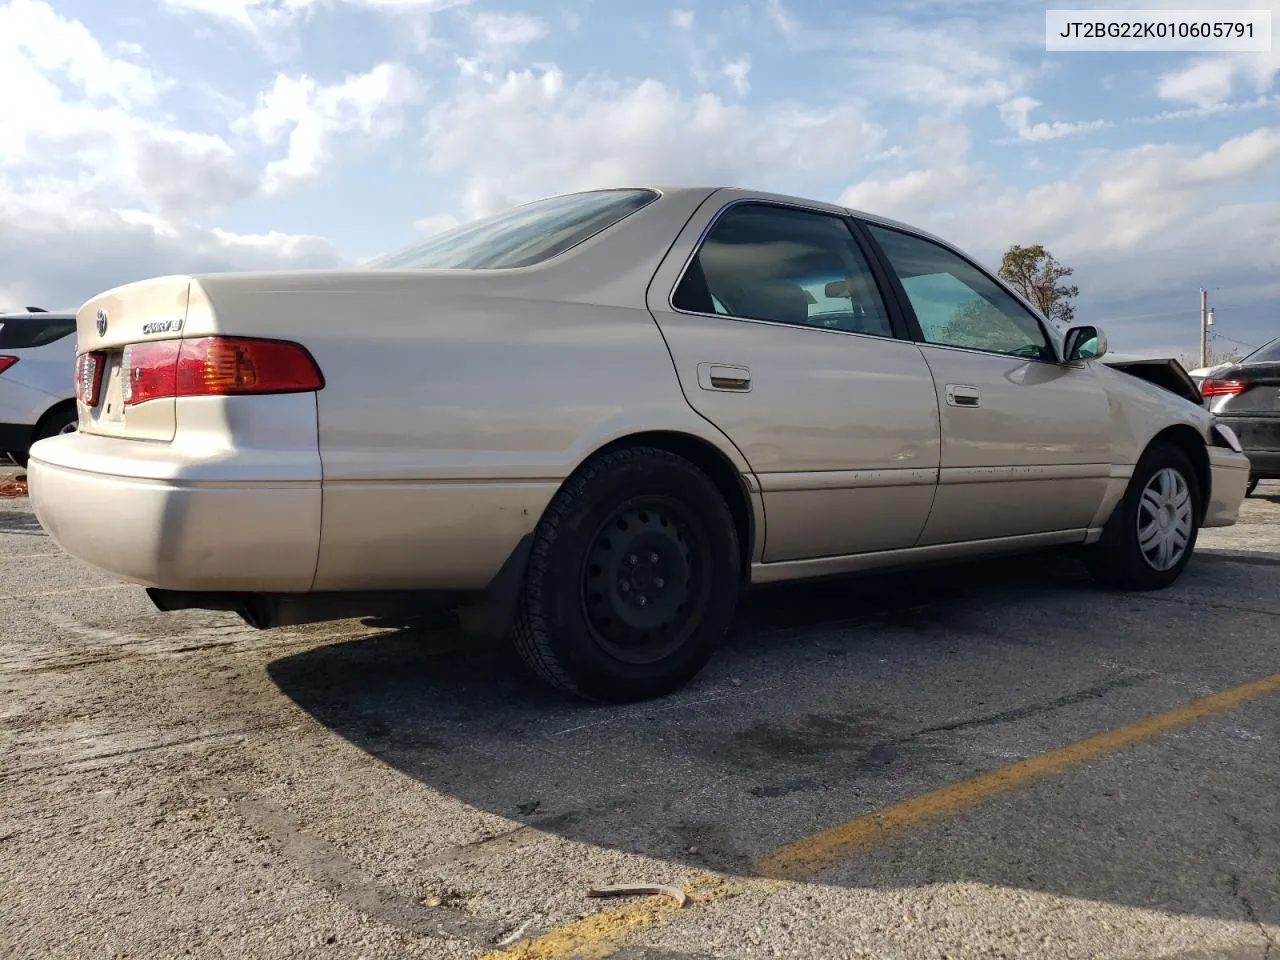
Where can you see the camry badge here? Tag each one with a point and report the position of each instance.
(102, 322)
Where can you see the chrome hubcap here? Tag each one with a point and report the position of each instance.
(69, 428)
(1164, 519)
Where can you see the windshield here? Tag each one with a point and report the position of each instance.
(522, 236)
(1267, 353)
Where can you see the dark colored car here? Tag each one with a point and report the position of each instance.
(1246, 397)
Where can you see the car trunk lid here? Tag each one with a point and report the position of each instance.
(108, 328)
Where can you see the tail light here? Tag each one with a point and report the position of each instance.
(216, 366)
(1222, 388)
(6, 363)
(89, 377)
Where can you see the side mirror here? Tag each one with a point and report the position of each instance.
(1084, 343)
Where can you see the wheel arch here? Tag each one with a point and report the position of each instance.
(494, 611)
(1187, 439)
(719, 469)
(62, 406)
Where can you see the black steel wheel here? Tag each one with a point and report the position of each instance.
(632, 579)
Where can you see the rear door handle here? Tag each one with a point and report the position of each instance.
(724, 376)
(961, 395)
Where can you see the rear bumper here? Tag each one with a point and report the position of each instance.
(1260, 437)
(177, 529)
(15, 437)
(1229, 475)
(1265, 464)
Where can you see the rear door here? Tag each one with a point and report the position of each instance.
(781, 337)
(1026, 440)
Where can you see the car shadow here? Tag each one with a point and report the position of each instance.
(20, 522)
(775, 733)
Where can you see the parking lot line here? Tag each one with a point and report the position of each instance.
(598, 936)
(813, 854)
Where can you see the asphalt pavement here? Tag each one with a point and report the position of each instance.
(997, 760)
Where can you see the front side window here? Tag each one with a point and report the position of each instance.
(522, 236)
(765, 262)
(956, 304)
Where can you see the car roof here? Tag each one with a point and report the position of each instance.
(793, 200)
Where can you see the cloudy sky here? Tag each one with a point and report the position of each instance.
(142, 137)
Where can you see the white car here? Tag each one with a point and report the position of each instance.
(597, 418)
(37, 388)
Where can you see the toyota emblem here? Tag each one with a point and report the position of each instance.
(102, 322)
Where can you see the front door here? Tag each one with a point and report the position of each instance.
(781, 338)
(1026, 440)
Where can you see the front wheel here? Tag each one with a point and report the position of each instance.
(1150, 537)
(632, 579)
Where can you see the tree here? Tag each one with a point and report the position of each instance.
(1035, 274)
(1216, 356)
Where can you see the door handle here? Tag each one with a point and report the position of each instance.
(724, 376)
(960, 395)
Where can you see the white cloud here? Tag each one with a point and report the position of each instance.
(315, 116)
(44, 41)
(60, 261)
(507, 29)
(98, 185)
(942, 174)
(682, 19)
(941, 60)
(1210, 80)
(95, 120)
(1143, 226)
(1016, 114)
(260, 16)
(533, 132)
(739, 73)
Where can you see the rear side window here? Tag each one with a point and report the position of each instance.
(17, 333)
(766, 262)
(1267, 353)
(523, 236)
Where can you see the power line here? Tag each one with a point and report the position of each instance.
(1238, 343)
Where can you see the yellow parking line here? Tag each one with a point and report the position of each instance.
(815, 853)
(597, 936)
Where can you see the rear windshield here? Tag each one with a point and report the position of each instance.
(1267, 353)
(520, 237)
(35, 330)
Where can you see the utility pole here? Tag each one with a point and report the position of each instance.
(1204, 328)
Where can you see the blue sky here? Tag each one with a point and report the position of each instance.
(155, 136)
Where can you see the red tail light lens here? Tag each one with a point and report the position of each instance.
(89, 377)
(1222, 388)
(6, 363)
(217, 366)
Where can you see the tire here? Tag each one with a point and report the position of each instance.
(50, 425)
(599, 617)
(1253, 485)
(1118, 558)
